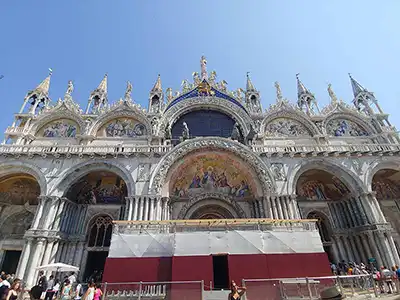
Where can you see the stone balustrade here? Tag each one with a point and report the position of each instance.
(140, 291)
(269, 150)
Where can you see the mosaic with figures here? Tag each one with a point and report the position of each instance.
(285, 127)
(386, 189)
(125, 128)
(211, 173)
(318, 190)
(60, 129)
(341, 127)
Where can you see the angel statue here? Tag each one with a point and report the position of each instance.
(278, 91)
(222, 85)
(235, 135)
(185, 86)
(168, 92)
(238, 94)
(70, 88)
(185, 132)
(212, 78)
(128, 91)
(167, 132)
(196, 78)
(332, 93)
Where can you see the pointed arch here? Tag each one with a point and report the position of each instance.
(361, 126)
(122, 109)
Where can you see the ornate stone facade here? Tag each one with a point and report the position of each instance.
(65, 173)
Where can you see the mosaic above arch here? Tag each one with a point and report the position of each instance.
(344, 127)
(19, 189)
(285, 127)
(211, 172)
(321, 185)
(123, 127)
(385, 184)
(62, 128)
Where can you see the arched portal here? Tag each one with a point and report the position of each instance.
(98, 187)
(99, 235)
(386, 185)
(325, 232)
(210, 211)
(19, 189)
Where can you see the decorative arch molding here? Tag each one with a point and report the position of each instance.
(353, 183)
(22, 220)
(291, 114)
(160, 173)
(89, 221)
(376, 166)
(122, 109)
(323, 214)
(18, 166)
(61, 111)
(206, 199)
(351, 117)
(70, 176)
(173, 114)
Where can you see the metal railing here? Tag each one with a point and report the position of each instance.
(310, 287)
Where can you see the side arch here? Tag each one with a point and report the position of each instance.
(73, 174)
(159, 175)
(290, 115)
(354, 184)
(377, 166)
(18, 166)
(350, 117)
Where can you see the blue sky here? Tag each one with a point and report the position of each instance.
(136, 40)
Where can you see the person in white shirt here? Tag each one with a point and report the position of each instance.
(72, 278)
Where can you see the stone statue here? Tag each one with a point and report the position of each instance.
(278, 91)
(278, 171)
(128, 91)
(185, 86)
(332, 94)
(238, 94)
(203, 67)
(185, 132)
(235, 132)
(169, 94)
(212, 78)
(196, 78)
(154, 125)
(222, 85)
(167, 132)
(70, 88)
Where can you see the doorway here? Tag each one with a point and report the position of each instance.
(10, 261)
(95, 265)
(220, 271)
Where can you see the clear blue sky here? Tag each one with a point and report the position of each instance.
(136, 40)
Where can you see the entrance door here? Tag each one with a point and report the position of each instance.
(10, 261)
(95, 265)
(221, 272)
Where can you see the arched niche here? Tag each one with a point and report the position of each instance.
(286, 127)
(211, 211)
(342, 127)
(61, 128)
(19, 189)
(98, 187)
(386, 184)
(316, 184)
(204, 123)
(211, 172)
(123, 127)
(325, 231)
(16, 225)
(100, 232)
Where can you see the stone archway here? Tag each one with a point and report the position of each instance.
(325, 232)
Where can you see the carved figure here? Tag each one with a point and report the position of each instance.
(185, 86)
(203, 67)
(196, 78)
(185, 132)
(169, 94)
(70, 88)
(212, 78)
(238, 94)
(154, 125)
(278, 91)
(235, 132)
(278, 171)
(128, 91)
(222, 85)
(167, 132)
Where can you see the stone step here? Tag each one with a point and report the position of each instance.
(216, 295)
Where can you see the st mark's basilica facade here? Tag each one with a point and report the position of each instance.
(204, 152)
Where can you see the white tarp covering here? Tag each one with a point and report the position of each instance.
(148, 244)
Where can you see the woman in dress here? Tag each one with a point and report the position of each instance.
(97, 292)
(66, 290)
(89, 295)
(14, 291)
(236, 292)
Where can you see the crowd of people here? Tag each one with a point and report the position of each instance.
(386, 279)
(49, 288)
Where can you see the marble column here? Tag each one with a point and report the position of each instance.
(158, 209)
(361, 208)
(135, 208)
(146, 208)
(23, 262)
(394, 249)
(336, 252)
(72, 253)
(274, 209)
(164, 209)
(79, 254)
(267, 208)
(367, 248)
(348, 249)
(152, 216)
(37, 252)
(53, 254)
(51, 213)
(279, 208)
(47, 252)
(141, 208)
(285, 209)
(374, 247)
(39, 211)
(58, 216)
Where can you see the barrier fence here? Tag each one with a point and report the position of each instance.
(310, 287)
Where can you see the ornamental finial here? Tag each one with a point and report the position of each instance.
(332, 93)
(278, 91)
(203, 67)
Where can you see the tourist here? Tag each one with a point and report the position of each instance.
(56, 287)
(15, 290)
(89, 295)
(78, 290)
(72, 278)
(4, 286)
(66, 291)
(42, 283)
(236, 292)
(50, 292)
(97, 293)
(387, 276)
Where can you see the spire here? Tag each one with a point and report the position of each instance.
(301, 89)
(43, 87)
(157, 86)
(357, 88)
(103, 85)
(249, 85)
(98, 97)
(39, 96)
